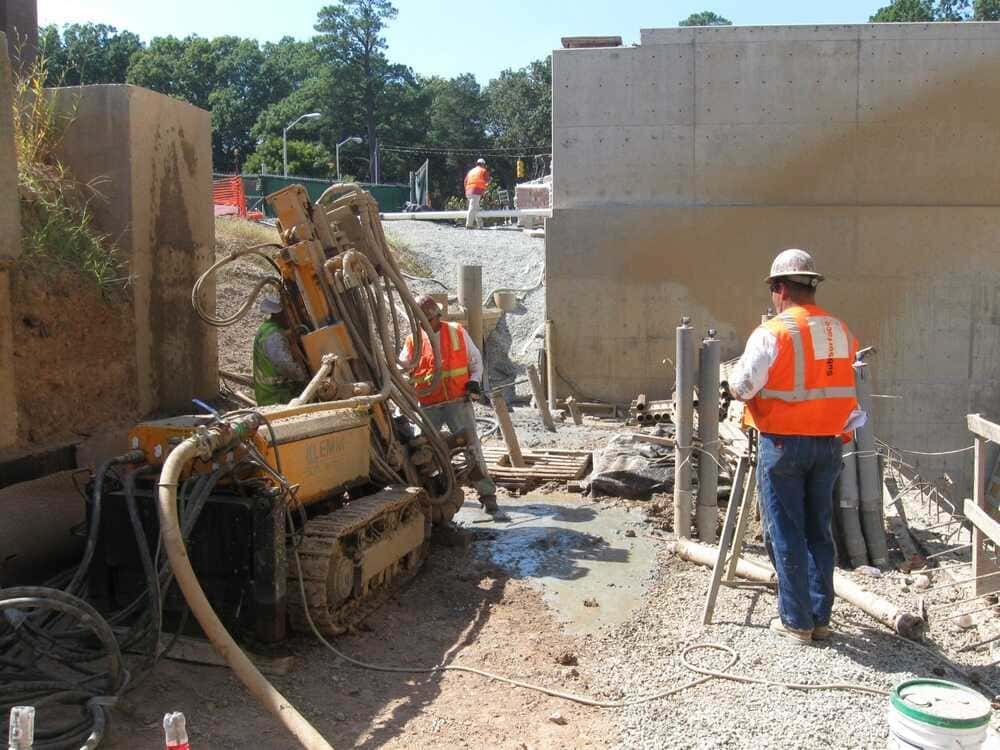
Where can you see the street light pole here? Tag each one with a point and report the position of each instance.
(284, 138)
(352, 139)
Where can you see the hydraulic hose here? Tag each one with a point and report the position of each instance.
(245, 308)
(203, 445)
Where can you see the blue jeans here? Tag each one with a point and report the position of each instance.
(795, 477)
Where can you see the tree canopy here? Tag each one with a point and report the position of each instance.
(705, 18)
(344, 72)
(902, 11)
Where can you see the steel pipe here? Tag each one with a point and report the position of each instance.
(707, 510)
(869, 486)
(906, 624)
(684, 414)
(847, 502)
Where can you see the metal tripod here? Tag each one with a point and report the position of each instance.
(734, 529)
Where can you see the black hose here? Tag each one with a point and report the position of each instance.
(51, 691)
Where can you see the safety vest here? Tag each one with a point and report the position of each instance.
(476, 181)
(810, 386)
(454, 365)
(268, 386)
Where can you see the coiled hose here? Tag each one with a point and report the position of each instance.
(245, 308)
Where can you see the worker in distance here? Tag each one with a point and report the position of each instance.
(450, 402)
(476, 181)
(277, 376)
(796, 377)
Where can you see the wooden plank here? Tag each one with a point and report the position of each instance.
(982, 521)
(982, 562)
(984, 428)
(899, 527)
(540, 401)
(508, 431)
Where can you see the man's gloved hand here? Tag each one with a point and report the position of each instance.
(473, 390)
(725, 398)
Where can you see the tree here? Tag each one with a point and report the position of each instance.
(350, 39)
(455, 119)
(305, 159)
(705, 18)
(86, 53)
(920, 11)
(986, 10)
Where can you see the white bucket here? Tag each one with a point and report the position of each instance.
(937, 715)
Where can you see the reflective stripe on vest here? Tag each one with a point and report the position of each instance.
(454, 366)
(817, 324)
(810, 385)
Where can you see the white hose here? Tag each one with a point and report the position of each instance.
(173, 542)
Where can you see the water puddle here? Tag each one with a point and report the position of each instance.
(576, 553)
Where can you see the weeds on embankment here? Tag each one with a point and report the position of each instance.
(57, 219)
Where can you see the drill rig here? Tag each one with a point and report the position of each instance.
(350, 475)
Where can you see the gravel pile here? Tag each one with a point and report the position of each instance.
(510, 259)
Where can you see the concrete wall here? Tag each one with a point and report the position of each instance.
(682, 166)
(152, 157)
(10, 249)
(19, 21)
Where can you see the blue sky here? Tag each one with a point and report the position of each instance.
(447, 37)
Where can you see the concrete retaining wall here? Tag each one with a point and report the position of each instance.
(10, 249)
(682, 166)
(152, 156)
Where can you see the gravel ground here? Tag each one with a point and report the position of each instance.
(510, 260)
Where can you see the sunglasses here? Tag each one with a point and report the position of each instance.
(774, 286)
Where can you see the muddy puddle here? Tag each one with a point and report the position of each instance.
(581, 556)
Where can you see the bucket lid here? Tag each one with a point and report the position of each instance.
(941, 703)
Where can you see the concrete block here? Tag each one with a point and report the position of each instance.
(19, 22)
(153, 154)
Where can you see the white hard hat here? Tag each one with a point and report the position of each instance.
(795, 265)
(269, 304)
(481, 162)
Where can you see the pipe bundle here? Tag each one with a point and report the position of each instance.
(859, 521)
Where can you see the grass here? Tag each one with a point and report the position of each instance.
(407, 261)
(234, 233)
(57, 220)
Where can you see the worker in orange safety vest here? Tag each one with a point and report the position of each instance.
(450, 401)
(476, 182)
(796, 376)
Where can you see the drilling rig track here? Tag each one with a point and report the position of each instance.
(334, 544)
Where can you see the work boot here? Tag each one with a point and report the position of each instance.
(489, 503)
(822, 633)
(801, 637)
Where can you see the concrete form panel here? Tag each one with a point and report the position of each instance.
(937, 335)
(636, 165)
(623, 86)
(781, 82)
(778, 164)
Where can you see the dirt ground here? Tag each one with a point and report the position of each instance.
(70, 338)
(460, 609)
